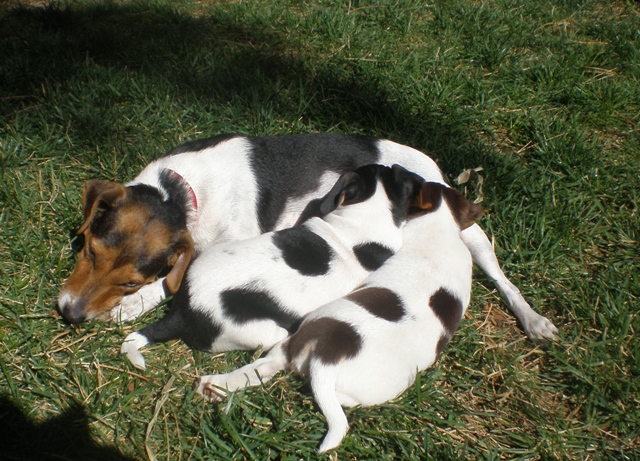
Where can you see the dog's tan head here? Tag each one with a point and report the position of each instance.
(131, 234)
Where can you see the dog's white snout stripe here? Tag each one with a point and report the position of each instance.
(64, 300)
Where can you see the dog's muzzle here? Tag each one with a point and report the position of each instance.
(72, 310)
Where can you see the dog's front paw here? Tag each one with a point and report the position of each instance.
(134, 305)
(212, 388)
(540, 329)
(130, 308)
(131, 346)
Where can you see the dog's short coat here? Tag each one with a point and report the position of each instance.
(226, 188)
(367, 347)
(252, 293)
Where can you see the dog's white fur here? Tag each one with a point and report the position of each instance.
(228, 212)
(222, 201)
(391, 352)
(259, 264)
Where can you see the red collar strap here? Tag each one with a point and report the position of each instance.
(194, 200)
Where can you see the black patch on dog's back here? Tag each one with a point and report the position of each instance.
(182, 321)
(448, 309)
(372, 255)
(304, 251)
(380, 302)
(333, 340)
(245, 304)
(200, 144)
(291, 166)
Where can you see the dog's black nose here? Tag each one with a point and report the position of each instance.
(73, 316)
(72, 310)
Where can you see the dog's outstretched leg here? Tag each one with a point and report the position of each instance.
(216, 387)
(171, 326)
(536, 327)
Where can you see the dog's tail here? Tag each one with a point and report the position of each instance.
(323, 382)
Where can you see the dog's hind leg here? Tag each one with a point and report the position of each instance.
(134, 305)
(536, 327)
(323, 383)
(216, 387)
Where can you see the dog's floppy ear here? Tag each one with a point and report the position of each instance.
(344, 190)
(96, 195)
(465, 213)
(408, 183)
(180, 261)
(428, 198)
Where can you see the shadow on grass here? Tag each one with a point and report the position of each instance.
(218, 59)
(66, 436)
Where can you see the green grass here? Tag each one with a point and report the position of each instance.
(545, 95)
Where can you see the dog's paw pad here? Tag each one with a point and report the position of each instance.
(541, 330)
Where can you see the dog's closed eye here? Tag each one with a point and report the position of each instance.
(130, 285)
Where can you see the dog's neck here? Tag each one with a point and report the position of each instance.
(431, 230)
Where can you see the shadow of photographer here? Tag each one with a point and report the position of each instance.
(66, 436)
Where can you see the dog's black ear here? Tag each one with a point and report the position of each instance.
(352, 187)
(345, 190)
(98, 195)
(427, 199)
(408, 184)
(465, 212)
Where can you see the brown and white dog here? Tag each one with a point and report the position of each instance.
(224, 188)
(367, 347)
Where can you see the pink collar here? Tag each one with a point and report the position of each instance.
(194, 200)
